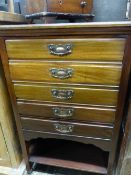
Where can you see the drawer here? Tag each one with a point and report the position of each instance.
(86, 49)
(66, 112)
(68, 128)
(69, 6)
(67, 94)
(66, 72)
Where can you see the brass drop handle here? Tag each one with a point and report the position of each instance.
(61, 73)
(63, 112)
(62, 94)
(83, 4)
(63, 128)
(60, 49)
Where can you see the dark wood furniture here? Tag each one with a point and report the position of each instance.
(68, 81)
(58, 6)
(124, 162)
(71, 10)
(70, 6)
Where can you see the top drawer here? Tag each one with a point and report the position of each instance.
(85, 49)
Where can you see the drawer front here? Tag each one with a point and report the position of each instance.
(69, 6)
(86, 49)
(66, 112)
(66, 72)
(71, 94)
(68, 128)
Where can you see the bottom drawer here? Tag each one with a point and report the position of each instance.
(68, 128)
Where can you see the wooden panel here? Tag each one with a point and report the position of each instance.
(4, 155)
(31, 6)
(7, 124)
(86, 49)
(94, 29)
(85, 95)
(85, 73)
(69, 6)
(69, 164)
(103, 144)
(11, 6)
(11, 135)
(121, 106)
(81, 113)
(11, 17)
(85, 130)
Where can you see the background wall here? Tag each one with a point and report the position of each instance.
(110, 10)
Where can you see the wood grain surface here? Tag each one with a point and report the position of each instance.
(11, 153)
(80, 113)
(68, 30)
(82, 72)
(11, 17)
(85, 130)
(87, 49)
(82, 95)
(4, 154)
(101, 143)
(69, 6)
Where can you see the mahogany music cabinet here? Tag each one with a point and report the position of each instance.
(68, 82)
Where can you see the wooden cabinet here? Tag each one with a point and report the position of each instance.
(68, 81)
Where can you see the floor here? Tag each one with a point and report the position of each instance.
(38, 173)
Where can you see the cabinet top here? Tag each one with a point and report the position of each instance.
(66, 29)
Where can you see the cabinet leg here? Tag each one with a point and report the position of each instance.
(32, 168)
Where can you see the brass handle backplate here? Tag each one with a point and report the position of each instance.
(63, 128)
(61, 73)
(62, 94)
(63, 112)
(60, 49)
